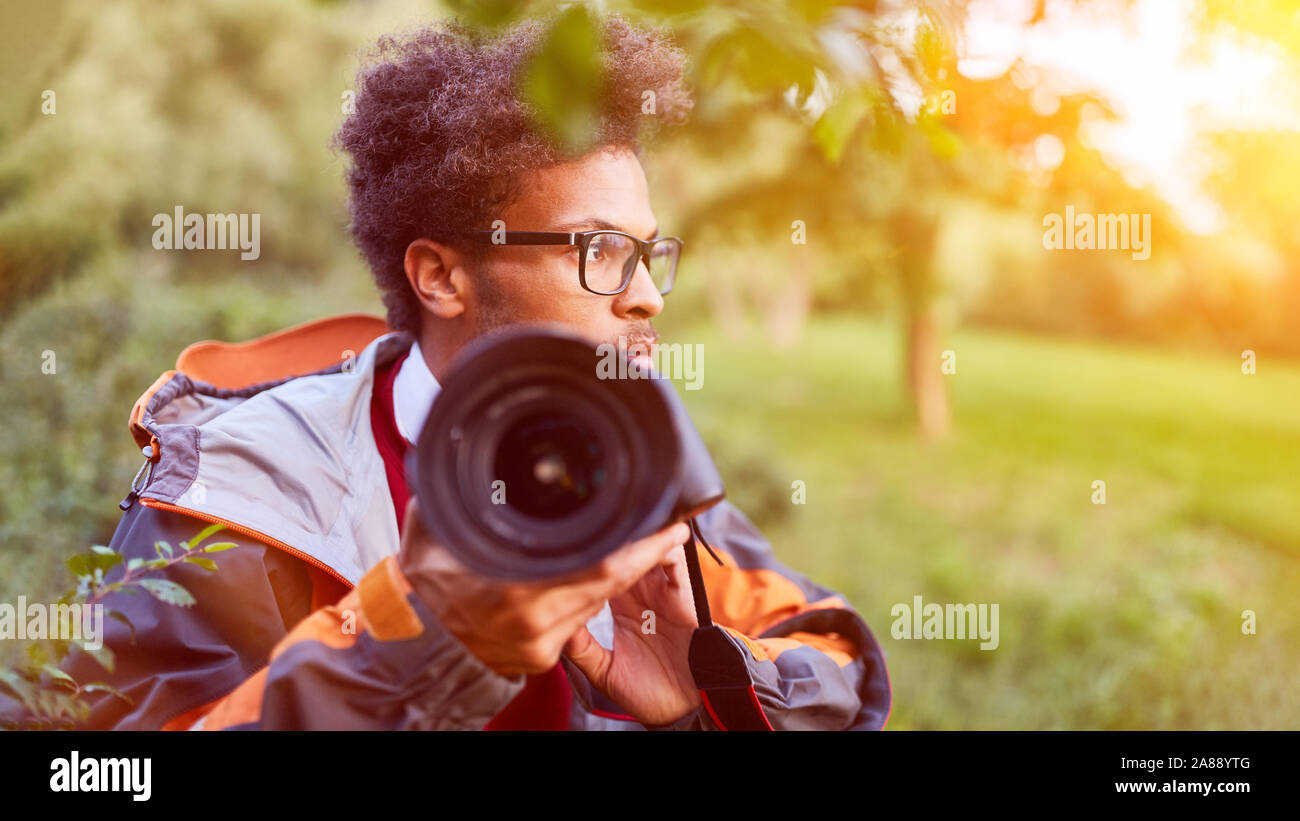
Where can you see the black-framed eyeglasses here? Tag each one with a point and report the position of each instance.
(608, 259)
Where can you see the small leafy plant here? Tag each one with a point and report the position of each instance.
(52, 698)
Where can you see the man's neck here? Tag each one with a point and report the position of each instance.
(439, 346)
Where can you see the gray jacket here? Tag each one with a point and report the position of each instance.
(273, 439)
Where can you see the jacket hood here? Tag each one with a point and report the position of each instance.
(273, 438)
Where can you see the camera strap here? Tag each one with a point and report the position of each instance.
(717, 664)
(702, 614)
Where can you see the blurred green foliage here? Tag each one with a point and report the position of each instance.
(220, 107)
(563, 81)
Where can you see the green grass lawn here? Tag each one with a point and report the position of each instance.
(1122, 615)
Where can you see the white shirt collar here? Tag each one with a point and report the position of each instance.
(413, 392)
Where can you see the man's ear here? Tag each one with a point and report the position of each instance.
(438, 278)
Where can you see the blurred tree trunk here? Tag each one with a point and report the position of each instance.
(925, 381)
(724, 298)
(791, 303)
(916, 230)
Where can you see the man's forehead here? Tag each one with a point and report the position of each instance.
(601, 190)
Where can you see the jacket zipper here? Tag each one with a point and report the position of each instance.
(248, 531)
(145, 472)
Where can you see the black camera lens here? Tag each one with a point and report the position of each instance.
(532, 464)
(551, 464)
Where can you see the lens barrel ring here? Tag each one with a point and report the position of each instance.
(513, 375)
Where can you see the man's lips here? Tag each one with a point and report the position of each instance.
(639, 347)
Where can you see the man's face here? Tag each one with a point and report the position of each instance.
(605, 189)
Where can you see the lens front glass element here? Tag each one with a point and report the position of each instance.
(552, 464)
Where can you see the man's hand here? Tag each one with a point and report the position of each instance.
(522, 627)
(648, 671)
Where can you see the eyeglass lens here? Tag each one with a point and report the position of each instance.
(613, 257)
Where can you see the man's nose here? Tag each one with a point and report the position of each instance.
(642, 299)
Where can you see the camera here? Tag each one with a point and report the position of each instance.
(531, 465)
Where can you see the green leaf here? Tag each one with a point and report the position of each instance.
(765, 56)
(101, 654)
(116, 616)
(79, 565)
(168, 591)
(19, 687)
(839, 122)
(814, 11)
(59, 676)
(564, 83)
(203, 534)
(103, 561)
(50, 703)
(206, 564)
(943, 142)
(101, 687)
(159, 547)
(486, 13)
(670, 7)
(106, 551)
(37, 655)
(219, 546)
(133, 564)
(932, 44)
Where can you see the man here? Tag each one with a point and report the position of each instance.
(336, 610)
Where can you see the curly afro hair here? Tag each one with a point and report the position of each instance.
(439, 137)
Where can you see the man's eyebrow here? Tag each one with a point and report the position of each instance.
(595, 223)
